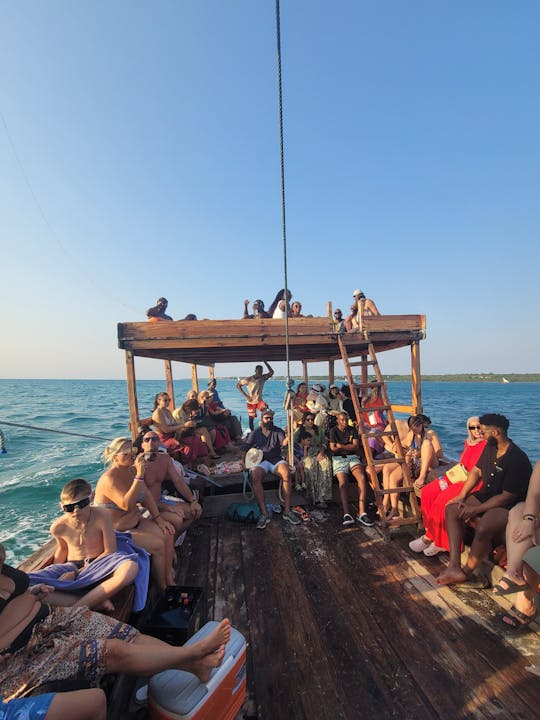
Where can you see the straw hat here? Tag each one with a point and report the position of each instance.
(253, 457)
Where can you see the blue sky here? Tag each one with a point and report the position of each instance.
(139, 157)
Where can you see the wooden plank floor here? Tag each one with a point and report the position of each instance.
(342, 624)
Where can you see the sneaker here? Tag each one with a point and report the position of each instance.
(420, 544)
(262, 522)
(292, 518)
(365, 520)
(433, 550)
(347, 519)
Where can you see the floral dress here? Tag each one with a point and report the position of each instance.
(318, 472)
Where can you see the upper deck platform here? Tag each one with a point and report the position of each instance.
(206, 342)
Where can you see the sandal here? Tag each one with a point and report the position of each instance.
(300, 512)
(511, 587)
(517, 619)
(347, 519)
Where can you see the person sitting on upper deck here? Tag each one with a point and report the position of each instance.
(270, 440)
(254, 394)
(346, 451)
(505, 471)
(362, 305)
(280, 305)
(338, 322)
(157, 313)
(159, 468)
(88, 568)
(257, 310)
(296, 309)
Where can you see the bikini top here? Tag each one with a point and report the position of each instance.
(113, 506)
(20, 580)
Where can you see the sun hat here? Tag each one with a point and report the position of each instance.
(318, 388)
(254, 457)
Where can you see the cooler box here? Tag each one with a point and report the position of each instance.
(177, 695)
(176, 615)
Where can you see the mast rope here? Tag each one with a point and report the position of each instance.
(60, 432)
(288, 393)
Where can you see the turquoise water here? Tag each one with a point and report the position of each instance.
(38, 464)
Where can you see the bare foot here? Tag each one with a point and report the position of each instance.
(203, 668)
(106, 606)
(452, 575)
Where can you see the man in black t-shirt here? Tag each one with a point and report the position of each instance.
(505, 471)
(345, 448)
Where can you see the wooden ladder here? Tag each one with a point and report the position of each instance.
(365, 434)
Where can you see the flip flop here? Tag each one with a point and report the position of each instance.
(300, 512)
(511, 587)
(347, 519)
(514, 618)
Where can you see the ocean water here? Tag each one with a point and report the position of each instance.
(38, 464)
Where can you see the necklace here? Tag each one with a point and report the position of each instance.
(81, 528)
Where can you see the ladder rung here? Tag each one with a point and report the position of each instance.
(362, 363)
(404, 489)
(374, 409)
(386, 461)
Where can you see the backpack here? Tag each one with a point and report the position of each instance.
(247, 512)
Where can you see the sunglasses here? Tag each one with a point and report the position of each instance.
(475, 427)
(70, 507)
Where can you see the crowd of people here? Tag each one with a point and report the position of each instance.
(127, 527)
(284, 306)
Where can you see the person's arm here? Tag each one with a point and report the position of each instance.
(61, 549)
(437, 447)
(161, 425)
(107, 533)
(473, 478)
(244, 393)
(270, 371)
(370, 305)
(246, 315)
(178, 480)
(526, 528)
(501, 500)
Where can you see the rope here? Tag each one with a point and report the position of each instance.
(287, 403)
(60, 432)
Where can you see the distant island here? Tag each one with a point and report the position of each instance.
(463, 377)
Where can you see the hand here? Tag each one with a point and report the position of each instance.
(196, 509)
(246, 302)
(190, 424)
(467, 512)
(320, 456)
(41, 590)
(525, 529)
(164, 525)
(140, 464)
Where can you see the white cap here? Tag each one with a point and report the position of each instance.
(356, 292)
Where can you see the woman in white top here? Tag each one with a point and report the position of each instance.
(279, 307)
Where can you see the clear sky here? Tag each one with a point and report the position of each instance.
(139, 157)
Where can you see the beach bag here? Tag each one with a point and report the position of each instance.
(457, 473)
(248, 512)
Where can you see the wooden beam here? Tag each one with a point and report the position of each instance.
(305, 376)
(416, 384)
(132, 394)
(169, 383)
(194, 377)
(330, 372)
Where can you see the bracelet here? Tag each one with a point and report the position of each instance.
(531, 517)
(155, 517)
(140, 479)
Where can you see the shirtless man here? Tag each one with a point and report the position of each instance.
(257, 308)
(254, 394)
(159, 467)
(85, 539)
(362, 305)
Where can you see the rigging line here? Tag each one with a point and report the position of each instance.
(284, 235)
(48, 225)
(60, 432)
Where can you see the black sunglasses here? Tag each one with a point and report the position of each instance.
(475, 427)
(70, 507)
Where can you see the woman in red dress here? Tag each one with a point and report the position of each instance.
(436, 495)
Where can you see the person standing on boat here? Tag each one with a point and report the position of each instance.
(257, 310)
(157, 313)
(254, 394)
(505, 471)
(270, 440)
(345, 448)
(361, 307)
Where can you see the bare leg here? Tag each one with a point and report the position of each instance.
(78, 705)
(99, 596)
(515, 550)
(257, 475)
(206, 437)
(455, 528)
(343, 479)
(360, 477)
(525, 601)
(491, 523)
(283, 471)
(394, 480)
(147, 656)
(150, 537)
(428, 460)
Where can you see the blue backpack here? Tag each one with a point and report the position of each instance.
(246, 512)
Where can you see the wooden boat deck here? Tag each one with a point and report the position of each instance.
(342, 624)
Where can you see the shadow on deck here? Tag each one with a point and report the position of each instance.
(341, 624)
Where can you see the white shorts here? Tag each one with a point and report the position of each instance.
(268, 467)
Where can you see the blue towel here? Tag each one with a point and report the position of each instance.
(100, 569)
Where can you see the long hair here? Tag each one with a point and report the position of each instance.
(280, 296)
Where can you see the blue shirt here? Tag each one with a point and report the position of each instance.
(269, 444)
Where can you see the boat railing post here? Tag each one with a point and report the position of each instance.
(132, 394)
(416, 378)
(170, 384)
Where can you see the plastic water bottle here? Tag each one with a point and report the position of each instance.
(443, 483)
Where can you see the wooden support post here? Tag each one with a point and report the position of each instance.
(169, 383)
(329, 309)
(305, 377)
(416, 382)
(194, 377)
(132, 394)
(331, 372)
(211, 372)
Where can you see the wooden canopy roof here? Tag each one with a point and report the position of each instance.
(207, 342)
